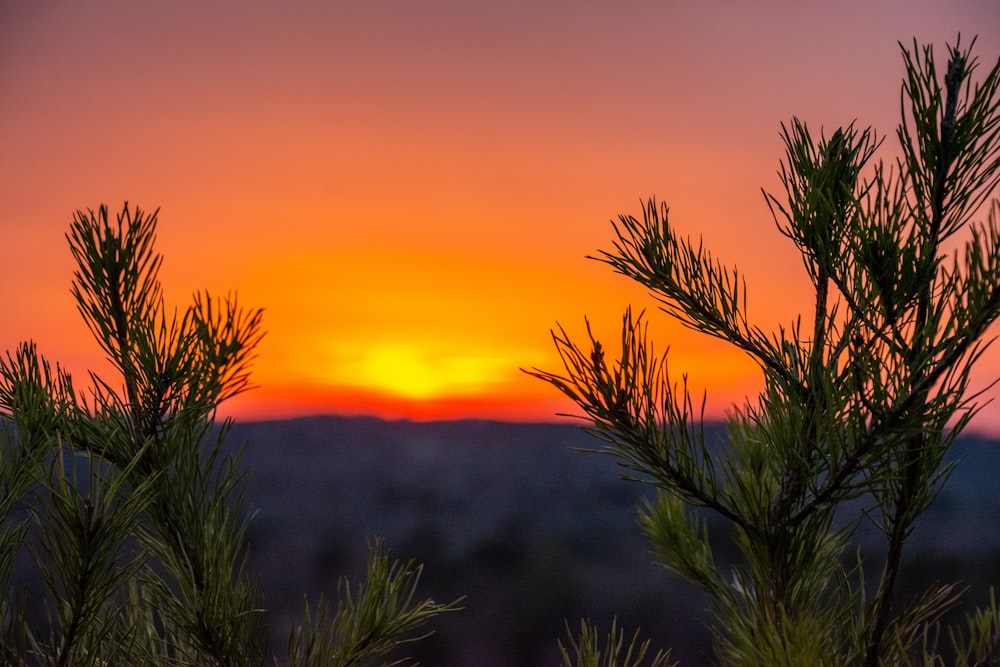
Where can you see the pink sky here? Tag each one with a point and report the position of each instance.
(409, 188)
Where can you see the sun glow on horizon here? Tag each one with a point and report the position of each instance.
(414, 372)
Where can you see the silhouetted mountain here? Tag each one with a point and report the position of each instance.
(533, 533)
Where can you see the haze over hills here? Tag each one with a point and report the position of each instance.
(533, 533)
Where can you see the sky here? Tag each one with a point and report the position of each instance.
(410, 188)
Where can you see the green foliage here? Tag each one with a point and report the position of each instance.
(380, 615)
(588, 651)
(125, 500)
(862, 398)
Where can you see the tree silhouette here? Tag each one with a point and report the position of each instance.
(861, 399)
(126, 501)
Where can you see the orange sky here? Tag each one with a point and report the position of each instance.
(409, 187)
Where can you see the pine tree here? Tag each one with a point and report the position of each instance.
(861, 401)
(127, 502)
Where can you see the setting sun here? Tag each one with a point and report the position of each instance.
(407, 371)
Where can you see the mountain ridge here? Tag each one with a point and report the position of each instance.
(511, 515)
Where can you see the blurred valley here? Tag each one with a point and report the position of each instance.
(534, 534)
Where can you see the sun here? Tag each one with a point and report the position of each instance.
(413, 372)
(401, 370)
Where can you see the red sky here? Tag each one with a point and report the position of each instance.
(409, 187)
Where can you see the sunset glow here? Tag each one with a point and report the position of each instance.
(410, 189)
(419, 372)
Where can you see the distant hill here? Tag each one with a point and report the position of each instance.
(533, 533)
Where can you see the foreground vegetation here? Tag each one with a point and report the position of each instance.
(863, 396)
(125, 504)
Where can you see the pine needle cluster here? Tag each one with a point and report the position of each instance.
(126, 502)
(862, 398)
